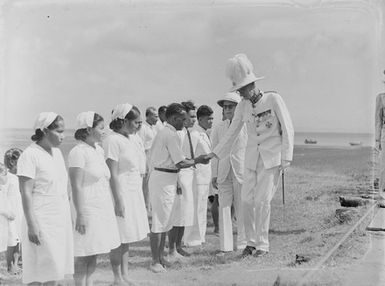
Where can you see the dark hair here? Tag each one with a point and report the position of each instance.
(162, 109)
(174, 109)
(117, 123)
(11, 154)
(204, 110)
(188, 105)
(82, 133)
(150, 110)
(39, 134)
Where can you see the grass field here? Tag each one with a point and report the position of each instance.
(306, 225)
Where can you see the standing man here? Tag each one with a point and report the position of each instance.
(147, 133)
(184, 214)
(227, 176)
(195, 234)
(166, 160)
(269, 149)
(162, 117)
(379, 134)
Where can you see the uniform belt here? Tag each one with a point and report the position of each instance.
(166, 170)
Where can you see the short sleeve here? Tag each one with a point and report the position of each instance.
(76, 158)
(174, 148)
(26, 165)
(111, 148)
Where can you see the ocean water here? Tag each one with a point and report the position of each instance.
(21, 138)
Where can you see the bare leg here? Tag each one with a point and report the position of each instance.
(172, 238)
(215, 213)
(10, 250)
(91, 267)
(80, 270)
(178, 242)
(124, 267)
(116, 261)
(157, 241)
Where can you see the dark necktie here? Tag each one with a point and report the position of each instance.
(191, 146)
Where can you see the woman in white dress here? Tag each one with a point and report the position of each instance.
(96, 229)
(47, 229)
(6, 214)
(14, 199)
(124, 159)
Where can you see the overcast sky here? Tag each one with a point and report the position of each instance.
(71, 56)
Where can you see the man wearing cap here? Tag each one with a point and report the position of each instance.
(166, 160)
(269, 149)
(227, 176)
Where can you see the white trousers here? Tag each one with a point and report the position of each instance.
(258, 190)
(195, 235)
(229, 192)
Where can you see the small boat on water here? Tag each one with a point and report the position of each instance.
(355, 143)
(310, 141)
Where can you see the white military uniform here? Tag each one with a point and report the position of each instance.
(102, 233)
(165, 153)
(53, 258)
(184, 213)
(195, 234)
(229, 174)
(380, 137)
(270, 141)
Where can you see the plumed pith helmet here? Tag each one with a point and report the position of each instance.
(240, 71)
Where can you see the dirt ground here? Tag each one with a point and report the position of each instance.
(306, 225)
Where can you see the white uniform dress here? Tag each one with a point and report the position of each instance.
(53, 258)
(14, 201)
(102, 232)
(127, 153)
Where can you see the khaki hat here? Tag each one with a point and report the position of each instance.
(230, 96)
(240, 71)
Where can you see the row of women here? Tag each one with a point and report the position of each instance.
(107, 194)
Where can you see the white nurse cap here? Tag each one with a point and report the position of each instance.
(44, 119)
(120, 111)
(85, 119)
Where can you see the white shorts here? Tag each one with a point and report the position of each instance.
(162, 188)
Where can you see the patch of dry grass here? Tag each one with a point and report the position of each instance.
(307, 225)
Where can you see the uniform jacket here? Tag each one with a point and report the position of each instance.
(234, 159)
(269, 129)
(202, 145)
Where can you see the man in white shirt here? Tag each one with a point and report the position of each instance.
(269, 149)
(147, 133)
(184, 214)
(195, 234)
(166, 160)
(227, 176)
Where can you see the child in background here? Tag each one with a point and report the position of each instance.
(15, 204)
(6, 214)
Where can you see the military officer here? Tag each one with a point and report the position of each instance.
(269, 149)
